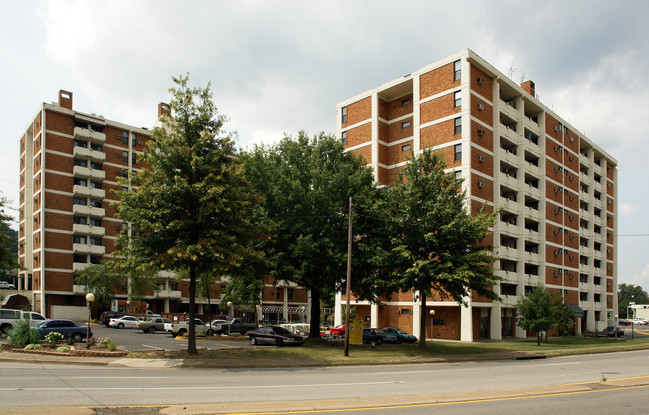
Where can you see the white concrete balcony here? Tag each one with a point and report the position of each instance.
(509, 300)
(86, 191)
(507, 228)
(532, 126)
(598, 169)
(79, 171)
(88, 134)
(79, 266)
(166, 274)
(510, 205)
(89, 249)
(88, 210)
(532, 213)
(532, 236)
(509, 133)
(508, 110)
(505, 252)
(167, 294)
(88, 230)
(509, 181)
(598, 203)
(532, 257)
(88, 153)
(79, 289)
(534, 191)
(532, 169)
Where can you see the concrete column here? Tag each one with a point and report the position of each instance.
(496, 329)
(374, 315)
(165, 307)
(338, 310)
(416, 116)
(285, 306)
(416, 316)
(466, 322)
(375, 135)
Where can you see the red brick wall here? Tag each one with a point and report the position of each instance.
(438, 134)
(438, 108)
(486, 88)
(486, 140)
(436, 81)
(359, 111)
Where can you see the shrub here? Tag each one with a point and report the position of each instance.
(53, 337)
(201, 334)
(70, 341)
(63, 349)
(33, 346)
(23, 334)
(108, 343)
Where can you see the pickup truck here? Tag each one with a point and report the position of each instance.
(10, 317)
(235, 325)
(152, 325)
(180, 328)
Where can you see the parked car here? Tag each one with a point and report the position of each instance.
(638, 320)
(151, 325)
(9, 317)
(6, 285)
(401, 335)
(182, 327)
(107, 315)
(276, 335)
(612, 331)
(339, 330)
(124, 322)
(235, 325)
(215, 325)
(68, 328)
(377, 336)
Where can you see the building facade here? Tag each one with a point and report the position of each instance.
(69, 163)
(557, 190)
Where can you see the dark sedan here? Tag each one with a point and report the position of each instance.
(68, 328)
(612, 331)
(401, 335)
(276, 335)
(378, 337)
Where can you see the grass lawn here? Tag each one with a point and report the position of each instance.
(436, 350)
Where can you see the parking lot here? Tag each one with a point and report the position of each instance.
(131, 339)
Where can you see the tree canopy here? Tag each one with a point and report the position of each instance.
(190, 209)
(307, 183)
(629, 293)
(8, 242)
(431, 243)
(540, 311)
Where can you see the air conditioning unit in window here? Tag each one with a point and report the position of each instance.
(481, 158)
(480, 131)
(480, 80)
(570, 257)
(556, 128)
(556, 148)
(481, 184)
(480, 107)
(556, 211)
(556, 273)
(572, 139)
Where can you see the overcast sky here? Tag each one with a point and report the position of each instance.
(282, 66)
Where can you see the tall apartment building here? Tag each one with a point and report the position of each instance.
(69, 163)
(558, 191)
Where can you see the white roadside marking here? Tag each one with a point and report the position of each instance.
(562, 364)
(315, 385)
(411, 371)
(119, 377)
(153, 347)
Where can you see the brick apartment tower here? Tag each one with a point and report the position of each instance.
(69, 162)
(557, 188)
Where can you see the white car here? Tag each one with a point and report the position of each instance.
(638, 320)
(125, 322)
(5, 285)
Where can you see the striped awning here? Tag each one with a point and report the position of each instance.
(280, 309)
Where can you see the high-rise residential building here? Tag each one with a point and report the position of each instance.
(69, 163)
(557, 190)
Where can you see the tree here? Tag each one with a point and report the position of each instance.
(434, 242)
(307, 183)
(191, 209)
(537, 312)
(564, 317)
(8, 241)
(629, 293)
(103, 281)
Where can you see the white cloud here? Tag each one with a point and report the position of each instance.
(627, 208)
(641, 278)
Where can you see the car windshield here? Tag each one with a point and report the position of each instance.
(281, 330)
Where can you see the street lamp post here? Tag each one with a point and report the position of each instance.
(90, 297)
(229, 316)
(349, 277)
(617, 318)
(432, 324)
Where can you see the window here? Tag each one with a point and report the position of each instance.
(80, 163)
(80, 201)
(94, 240)
(405, 124)
(458, 126)
(94, 259)
(134, 158)
(457, 70)
(133, 139)
(344, 115)
(78, 239)
(95, 222)
(79, 220)
(95, 203)
(458, 152)
(405, 101)
(458, 174)
(79, 258)
(173, 285)
(96, 147)
(125, 138)
(95, 184)
(96, 166)
(405, 147)
(79, 143)
(81, 182)
(458, 99)
(344, 138)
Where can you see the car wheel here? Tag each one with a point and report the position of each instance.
(151, 330)
(181, 332)
(279, 342)
(120, 326)
(253, 340)
(77, 337)
(5, 328)
(379, 341)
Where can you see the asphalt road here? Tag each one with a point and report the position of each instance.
(104, 386)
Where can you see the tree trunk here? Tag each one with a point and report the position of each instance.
(422, 321)
(191, 341)
(538, 338)
(314, 331)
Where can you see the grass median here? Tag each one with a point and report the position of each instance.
(438, 350)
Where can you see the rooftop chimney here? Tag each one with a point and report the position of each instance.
(65, 99)
(163, 109)
(529, 87)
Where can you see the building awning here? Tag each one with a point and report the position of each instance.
(577, 311)
(280, 309)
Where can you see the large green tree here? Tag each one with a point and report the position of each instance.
(307, 183)
(8, 242)
(433, 241)
(191, 210)
(537, 311)
(629, 293)
(103, 281)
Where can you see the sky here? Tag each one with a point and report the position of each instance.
(281, 66)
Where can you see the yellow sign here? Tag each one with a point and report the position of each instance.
(356, 331)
